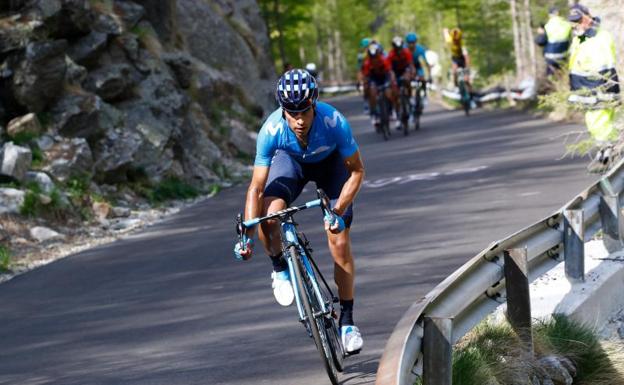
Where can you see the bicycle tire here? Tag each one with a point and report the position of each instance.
(384, 112)
(405, 108)
(465, 98)
(319, 334)
(417, 108)
(331, 326)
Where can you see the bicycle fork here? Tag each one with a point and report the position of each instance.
(289, 234)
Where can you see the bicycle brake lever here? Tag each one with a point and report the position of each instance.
(325, 203)
(240, 228)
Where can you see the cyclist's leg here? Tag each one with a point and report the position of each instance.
(454, 68)
(330, 175)
(396, 97)
(372, 95)
(284, 185)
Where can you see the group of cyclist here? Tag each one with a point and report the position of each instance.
(387, 72)
(306, 140)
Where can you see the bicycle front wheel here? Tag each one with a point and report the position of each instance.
(314, 317)
(384, 111)
(405, 112)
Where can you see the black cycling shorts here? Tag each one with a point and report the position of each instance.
(287, 178)
(459, 61)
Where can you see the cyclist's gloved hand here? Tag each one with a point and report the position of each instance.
(334, 222)
(243, 250)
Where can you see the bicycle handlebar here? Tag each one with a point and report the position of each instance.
(282, 213)
(322, 202)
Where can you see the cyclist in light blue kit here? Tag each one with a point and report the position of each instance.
(305, 140)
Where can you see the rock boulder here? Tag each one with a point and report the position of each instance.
(69, 157)
(39, 76)
(11, 200)
(15, 161)
(27, 124)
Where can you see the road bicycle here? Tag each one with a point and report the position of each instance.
(404, 103)
(418, 90)
(464, 94)
(315, 302)
(383, 108)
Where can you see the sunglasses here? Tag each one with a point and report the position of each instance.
(301, 107)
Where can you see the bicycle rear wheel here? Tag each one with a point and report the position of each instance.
(384, 114)
(314, 318)
(465, 98)
(417, 108)
(405, 111)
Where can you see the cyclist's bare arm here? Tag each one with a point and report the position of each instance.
(412, 70)
(393, 79)
(255, 193)
(352, 185)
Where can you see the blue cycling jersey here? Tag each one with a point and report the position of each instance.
(330, 130)
(418, 53)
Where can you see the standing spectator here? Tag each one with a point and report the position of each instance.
(594, 80)
(555, 37)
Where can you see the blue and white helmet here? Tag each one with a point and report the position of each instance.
(296, 91)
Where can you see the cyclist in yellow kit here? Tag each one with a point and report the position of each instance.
(459, 55)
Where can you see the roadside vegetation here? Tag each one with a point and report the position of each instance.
(492, 354)
(5, 259)
(495, 353)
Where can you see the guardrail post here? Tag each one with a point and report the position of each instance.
(609, 209)
(573, 244)
(518, 296)
(437, 351)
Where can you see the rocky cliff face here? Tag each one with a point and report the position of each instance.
(113, 90)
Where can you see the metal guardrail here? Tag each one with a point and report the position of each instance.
(421, 343)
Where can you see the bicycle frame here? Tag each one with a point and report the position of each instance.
(289, 235)
(288, 230)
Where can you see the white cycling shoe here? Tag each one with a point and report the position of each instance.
(282, 288)
(351, 339)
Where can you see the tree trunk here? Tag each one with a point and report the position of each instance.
(320, 48)
(278, 26)
(302, 56)
(532, 65)
(516, 38)
(339, 57)
(331, 66)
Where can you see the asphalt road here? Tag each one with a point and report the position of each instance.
(170, 305)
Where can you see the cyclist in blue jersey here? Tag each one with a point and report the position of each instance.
(305, 140)
(420, 59)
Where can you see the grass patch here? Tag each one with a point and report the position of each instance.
(595, 363)
(34, 207)
(493, 354)
(5, 258)
(172, 188)
(22, 138)
(80, 195)
(38, 159)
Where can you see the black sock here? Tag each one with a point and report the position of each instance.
(279, 263)
(346, 313)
